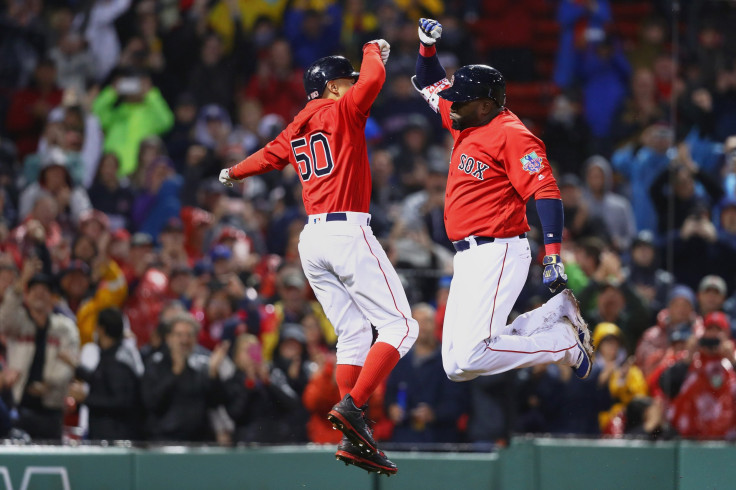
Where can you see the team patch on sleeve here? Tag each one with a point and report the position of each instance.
(532, 163)
(431, 92)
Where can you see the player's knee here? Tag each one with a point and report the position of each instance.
(401, 334)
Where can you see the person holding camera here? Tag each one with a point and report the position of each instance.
(702, 385)
(130, 110)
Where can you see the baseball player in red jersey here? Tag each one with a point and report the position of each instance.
(344, 263)
(497, 164)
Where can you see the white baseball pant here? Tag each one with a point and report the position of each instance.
(356, 284)
(476, 341)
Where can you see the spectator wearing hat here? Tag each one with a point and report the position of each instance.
(680, 313)
(131, 109)
(606, 206)
(291, 307)
(644, 274)
(179, 385)
(87, 288)
(158, 200)
(623, 379)
(148, 287)
(702, 386)
(712, 294)
(36, 337)
(112, 195)
(113, 393)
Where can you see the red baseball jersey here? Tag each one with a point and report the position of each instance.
(494, 170)
(326, 145)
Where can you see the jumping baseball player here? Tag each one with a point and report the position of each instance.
(344, 263)
(497, 164)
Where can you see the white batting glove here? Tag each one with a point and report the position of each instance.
(429, 31)
(384, 47)
(225, 177)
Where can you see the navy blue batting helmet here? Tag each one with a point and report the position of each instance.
(476, 82)
(323, 70)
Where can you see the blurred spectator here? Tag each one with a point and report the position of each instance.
(421, 402)
(604, 205)
(578, 220)
(110, 194)
(683, 173)
(640, 166)
(74, 62)
(566, 135)
(113, 392)
(679, 314)
(257, 17)
(277, 84)
(604, 74)
(257, 397)
(644, 272)
(640, 109)
(312, 32)
(158, 200)
(292, 307)
(712, 293)
(131, 109)
(212, 78)
(22, 44)
(319, 396)
(703, 404)
(30, 107)
(181, 136)
(36, 337)
(179, 385)
(651, 41)
(55, 180)
(97, 23)
(580, 22)
(624, 380)
(645, 417)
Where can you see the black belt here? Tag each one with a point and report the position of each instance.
(462, 245)
(334, 217)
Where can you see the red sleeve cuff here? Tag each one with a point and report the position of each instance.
(552, 248)
(427, 51)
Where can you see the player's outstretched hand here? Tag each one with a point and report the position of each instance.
(429, 31)
(384, 47)
(554, 273)
(225, 177)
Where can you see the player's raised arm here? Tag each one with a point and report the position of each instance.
(372, 74)
(273, 156)
(429, 70)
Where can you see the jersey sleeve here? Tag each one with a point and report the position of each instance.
(372, 75)
(525, 160)
(274, 156)
(430, 93)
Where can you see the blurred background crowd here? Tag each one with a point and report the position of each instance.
(140, 299)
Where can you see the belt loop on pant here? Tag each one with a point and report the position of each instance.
(466, 243)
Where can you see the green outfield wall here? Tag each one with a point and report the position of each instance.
(528, 464)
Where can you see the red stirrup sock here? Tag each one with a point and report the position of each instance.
(346, 375)
(380, 361)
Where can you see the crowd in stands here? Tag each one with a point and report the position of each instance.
(140, 299)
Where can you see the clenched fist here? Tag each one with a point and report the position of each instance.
(225, 177)
(384, 47)
(429, 31)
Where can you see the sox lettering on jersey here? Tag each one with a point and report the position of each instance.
(467, 164)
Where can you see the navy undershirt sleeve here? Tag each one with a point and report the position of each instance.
(429, 70)
(553, 219)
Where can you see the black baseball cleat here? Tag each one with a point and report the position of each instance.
(348, 418)
(349, 453)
